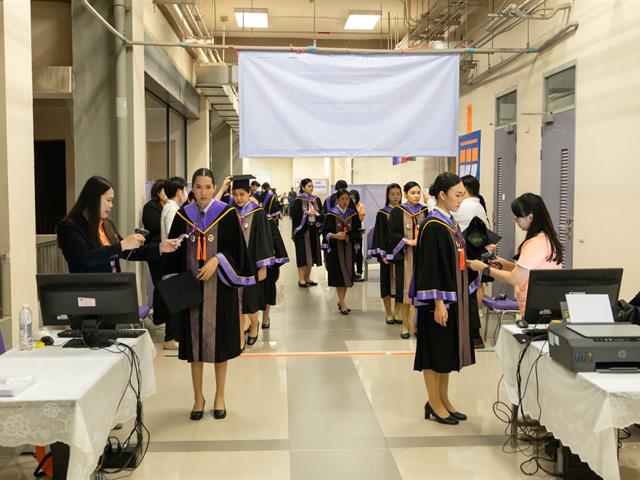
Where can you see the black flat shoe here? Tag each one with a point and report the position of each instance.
(220, 414)
(265, 326)
(460, 416)
(405, 335)
(303, 285)
(397, 322)
(197, 414)
(311, 284)
(252, 340)
(390, 321)
(428, 412)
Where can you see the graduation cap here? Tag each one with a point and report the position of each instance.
(242, 181)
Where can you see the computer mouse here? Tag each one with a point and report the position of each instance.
(522, 324)
(47, 340)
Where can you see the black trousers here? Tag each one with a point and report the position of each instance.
(358, 258)
(160, 311)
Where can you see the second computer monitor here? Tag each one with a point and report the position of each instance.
(547, 288)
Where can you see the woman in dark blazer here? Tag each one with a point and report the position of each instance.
(89, 240)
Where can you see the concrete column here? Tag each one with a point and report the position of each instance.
(17, 204)
(93, 96)
(198, 140)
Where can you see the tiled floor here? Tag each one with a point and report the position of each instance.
(346, 405)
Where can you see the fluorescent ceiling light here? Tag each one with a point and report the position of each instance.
(252, 17)
(362, 20)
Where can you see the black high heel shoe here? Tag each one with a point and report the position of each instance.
(220, 414)
(405, 335)
(457, 415)
(311, 284)
(390, 321)
(397, 321)
(428, 412)
(303, 285)
(197, 414)
(251, 340)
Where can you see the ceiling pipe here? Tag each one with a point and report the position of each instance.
(303, 49)
(541, 48)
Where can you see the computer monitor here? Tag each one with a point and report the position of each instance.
(547, 288)
(72, 298)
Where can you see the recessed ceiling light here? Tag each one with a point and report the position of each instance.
(362, 20)
(252, 17)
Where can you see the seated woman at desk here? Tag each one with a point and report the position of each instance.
(89, 240)
(541, 248)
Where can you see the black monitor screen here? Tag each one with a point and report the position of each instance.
(547, 288)
(67, 299)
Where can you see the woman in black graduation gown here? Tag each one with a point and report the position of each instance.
(380, 249)
(306, 222)
(404, 221)
(215, 252)
(441, 296)
(273, 209)
(89, 240)
(341, 230)
(257, 236)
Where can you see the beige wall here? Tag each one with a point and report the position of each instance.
(198, 140)
(607, 115)
(51, 33)
(379, 170)
(278, 169)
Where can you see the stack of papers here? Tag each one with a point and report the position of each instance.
(12, 386)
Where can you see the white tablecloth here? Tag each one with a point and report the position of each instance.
(583, 410)
(74, 400)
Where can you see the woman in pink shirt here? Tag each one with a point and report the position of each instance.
(541, 248)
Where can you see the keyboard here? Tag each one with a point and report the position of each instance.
(106, 334)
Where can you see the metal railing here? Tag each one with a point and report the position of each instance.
(49, 258)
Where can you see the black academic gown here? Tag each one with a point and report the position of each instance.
(211, 332)
(380, 248)
(257, 236)
(306, 235)
(339, 254)
(403, 225)
(438, 276)
(272, 208)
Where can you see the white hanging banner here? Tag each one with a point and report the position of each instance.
(372, 105)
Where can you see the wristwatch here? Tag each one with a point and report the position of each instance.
(486, 271)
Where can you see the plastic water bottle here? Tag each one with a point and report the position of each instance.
(26, 326)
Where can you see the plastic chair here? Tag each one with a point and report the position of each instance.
(499, 308)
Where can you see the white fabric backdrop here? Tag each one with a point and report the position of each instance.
(315, 105)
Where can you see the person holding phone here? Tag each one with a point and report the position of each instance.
(90, 241)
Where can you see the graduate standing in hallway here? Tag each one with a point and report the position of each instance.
(441, 296)
(341, 230)
(214, 251)
(306, 222)
(404, 221)
(257, 236)
(381, 249)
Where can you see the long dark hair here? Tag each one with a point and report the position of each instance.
(202, 172)
(355, 194)
(390, 187)
(303, 183)
(443, 183)
(530, 203)
(88, 206)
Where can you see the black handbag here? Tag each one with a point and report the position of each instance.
(180, 292)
